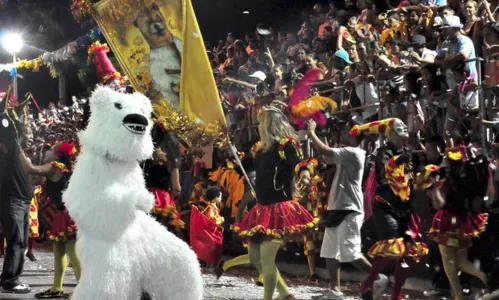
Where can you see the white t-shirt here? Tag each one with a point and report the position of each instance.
(427, 53)
(366, 91)
(346, 190)
(469, 100)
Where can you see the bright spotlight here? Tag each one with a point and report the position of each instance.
(12, 42)
(246, 12)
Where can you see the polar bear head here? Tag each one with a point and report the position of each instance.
(119, 126)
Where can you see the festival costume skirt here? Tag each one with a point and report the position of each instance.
(400, 236)
(165, 208)
(33, 219)
(454, 229)
(62, 227)
(276, 221)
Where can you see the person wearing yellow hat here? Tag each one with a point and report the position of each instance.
(396, 223)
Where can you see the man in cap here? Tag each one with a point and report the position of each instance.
(420, 55)
(342, 60)
(456, 48)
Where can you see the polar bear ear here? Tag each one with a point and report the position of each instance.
(143, 100)
(102, 94)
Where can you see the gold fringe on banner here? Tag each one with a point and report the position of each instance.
(193, 132)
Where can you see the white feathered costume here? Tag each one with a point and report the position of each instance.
(124, 252)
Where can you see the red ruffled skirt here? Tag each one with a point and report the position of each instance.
(62, 227)
(165, 207)
(279, 220)
(456, 229)
(398, 247)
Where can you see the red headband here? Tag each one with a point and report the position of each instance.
(66, 148)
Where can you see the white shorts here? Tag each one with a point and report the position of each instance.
(343, 242)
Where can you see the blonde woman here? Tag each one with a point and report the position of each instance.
(276, 215)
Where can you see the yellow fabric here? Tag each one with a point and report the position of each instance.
(33, 213)
(62, 167)
(236, 261)
(216, 175)
(198, 90)
(455, 155)
(61, 263)
(398, 248)
(60, 266)
(375, 127)
(391, 33)
(424, 180)
(231, 182)
(454, 260)
(398, 180)
(263, 256)
(313, 105)
(213, 213)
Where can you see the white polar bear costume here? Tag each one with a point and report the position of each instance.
(123, 251)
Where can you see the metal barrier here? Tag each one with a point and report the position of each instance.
(251, 125)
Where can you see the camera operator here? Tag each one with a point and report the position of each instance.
(345, 210)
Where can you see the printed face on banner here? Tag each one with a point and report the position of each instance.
(148, 38)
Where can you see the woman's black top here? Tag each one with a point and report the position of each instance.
(157, 176)
(465, 181)
(274, 176)
(54, 190)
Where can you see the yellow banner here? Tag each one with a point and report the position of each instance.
(160, 48)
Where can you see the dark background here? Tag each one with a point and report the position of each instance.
(216, 18)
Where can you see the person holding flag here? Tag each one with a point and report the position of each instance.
(276, 215)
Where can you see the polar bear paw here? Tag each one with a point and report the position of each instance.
(144, 200)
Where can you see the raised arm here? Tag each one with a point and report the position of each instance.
(43, 170)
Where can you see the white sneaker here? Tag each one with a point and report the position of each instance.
(332, 295)
(18, 289)
(435, 293)
(380, 286)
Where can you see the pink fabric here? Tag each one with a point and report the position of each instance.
(370, 192)
(404, 4)
(491, 189)
(414, 226)
(466, 82)
(303, 91)
(363, 16)
(303, 88)
(199, 167)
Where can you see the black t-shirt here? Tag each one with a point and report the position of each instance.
(274, 176)
(157, 176)
(16, 184)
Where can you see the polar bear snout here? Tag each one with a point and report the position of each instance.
(136, 123)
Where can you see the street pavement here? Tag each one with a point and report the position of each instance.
(238, 283)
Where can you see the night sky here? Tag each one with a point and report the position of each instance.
(216, 18)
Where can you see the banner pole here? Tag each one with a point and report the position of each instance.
(238, 160)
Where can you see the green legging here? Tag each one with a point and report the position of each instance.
(262, 256)
(61, 263)
(455, 259)
(240, 260)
